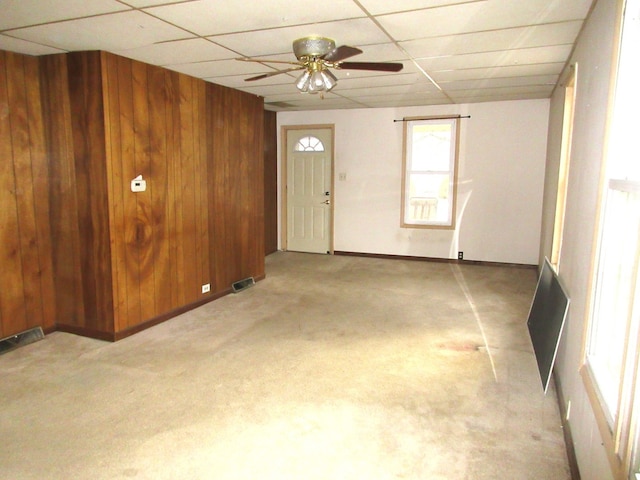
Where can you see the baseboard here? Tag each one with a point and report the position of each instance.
(86, 332)
(434, 259)
(115, 336)
(566, 428)
(169, 315)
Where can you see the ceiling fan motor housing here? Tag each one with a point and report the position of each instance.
(312, 47)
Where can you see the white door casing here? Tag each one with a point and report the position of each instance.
(309, 183)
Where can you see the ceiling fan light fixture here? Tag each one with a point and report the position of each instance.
(315, 57)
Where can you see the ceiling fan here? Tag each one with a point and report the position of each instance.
(316, 55)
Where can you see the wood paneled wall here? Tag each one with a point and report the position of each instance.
(270, 183)
(160, 237)
(121, 260)
(68, 248)
(237, 184)
(27, 297)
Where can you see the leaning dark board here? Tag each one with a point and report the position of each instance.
(546, 320)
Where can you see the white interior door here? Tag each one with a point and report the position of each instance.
(309, 195)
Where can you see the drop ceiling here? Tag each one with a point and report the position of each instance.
(453, 51)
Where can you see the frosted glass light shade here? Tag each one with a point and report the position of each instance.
(302, 83)
(316, 83)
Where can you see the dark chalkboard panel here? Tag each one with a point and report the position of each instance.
(546, 320)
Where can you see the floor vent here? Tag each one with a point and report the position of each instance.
(24, 338)
(243, 284)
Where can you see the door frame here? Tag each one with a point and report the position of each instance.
(284, 131)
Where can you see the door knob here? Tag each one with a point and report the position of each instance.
(327, 202)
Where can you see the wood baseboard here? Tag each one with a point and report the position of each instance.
(115, 336)
(434, 259)
(86, 332)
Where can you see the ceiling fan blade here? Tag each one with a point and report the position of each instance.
(378, 66)
(341, 53)
(271, 74)
(264, 60)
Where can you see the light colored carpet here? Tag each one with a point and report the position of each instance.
(331, 368)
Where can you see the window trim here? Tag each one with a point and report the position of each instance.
(563, 168)
(432, 226)
(618, 434)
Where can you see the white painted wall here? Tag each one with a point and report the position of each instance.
(593, 54)
(501, 176)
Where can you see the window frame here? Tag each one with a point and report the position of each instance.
(408, 122)
(619, 429)
(563, 169)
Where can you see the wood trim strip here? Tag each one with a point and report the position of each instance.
(435, 259)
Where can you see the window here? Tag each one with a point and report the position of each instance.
(309, 144)
(429, 181)
(612, 346)
(614, 324)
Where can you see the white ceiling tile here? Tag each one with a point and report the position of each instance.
(533, 12)
(118, 31)
(497, 40)
(281, 57)
(354, 32)
(378, 7)
(419, 98)
(549, 80)
(535, 89)
(314, 101)
(179, 51)
(149, 3)
(408, 67)
(512, 71)
(431, 22)
(500, 97)
(413, 102)
(522, 56)
(381, 52)
(22, 13)
(270, 90)
(239, 81)
(217, 68)
(11, 44)
(483, 16)
(381, 80)
(214, 17)
(387, 90)
(293, 97)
